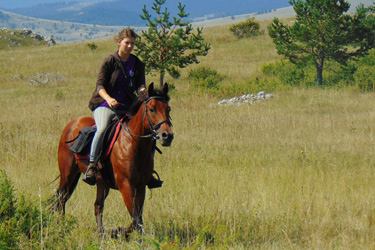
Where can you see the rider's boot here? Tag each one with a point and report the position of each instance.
(90, 176)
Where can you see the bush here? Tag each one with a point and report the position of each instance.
(287, 73)
(22, 221)
(335, 75)
(92, 46)
(205, 78)
(8, 209)
(248, 28)
(339, 76)
(368, 60)
(365, 78)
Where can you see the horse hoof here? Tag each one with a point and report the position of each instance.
(114, 233)
(120, 232)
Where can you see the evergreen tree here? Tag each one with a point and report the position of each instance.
(167, 46)
(323, 32)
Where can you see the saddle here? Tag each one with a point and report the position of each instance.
(82, 143)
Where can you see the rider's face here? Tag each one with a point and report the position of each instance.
(126, 45)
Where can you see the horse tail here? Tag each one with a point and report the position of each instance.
(52, 202)
(53, 180)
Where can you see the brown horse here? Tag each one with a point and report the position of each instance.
(131, 162)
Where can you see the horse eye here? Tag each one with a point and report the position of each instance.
(152, 109)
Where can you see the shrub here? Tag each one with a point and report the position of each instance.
(22, 221)
(205, 78)
(92, 46)
(365, 78)
(305, 75)
(248, 28)
(59, 94)
(368, 60)
(338, 75)
(286, 72)
(8, 207)
(18, 218)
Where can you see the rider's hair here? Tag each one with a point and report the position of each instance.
(127, 32)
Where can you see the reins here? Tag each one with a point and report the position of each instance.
(153, 127)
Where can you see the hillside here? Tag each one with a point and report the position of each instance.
(18, 38)
(63, 31)
(119, 12)
(69, 31)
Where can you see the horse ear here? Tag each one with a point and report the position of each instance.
(165, 88)
(151, 89)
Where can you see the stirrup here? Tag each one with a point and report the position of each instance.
(90, 176)
(155, 183)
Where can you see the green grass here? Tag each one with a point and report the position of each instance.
(293, 172)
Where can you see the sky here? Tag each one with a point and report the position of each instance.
(12, 4)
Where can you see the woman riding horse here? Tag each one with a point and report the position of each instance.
(120, 75)
(131, 162)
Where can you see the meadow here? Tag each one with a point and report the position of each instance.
(292, 172)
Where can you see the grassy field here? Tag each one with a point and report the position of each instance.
(293, 172)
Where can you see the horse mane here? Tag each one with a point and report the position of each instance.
(138, 103)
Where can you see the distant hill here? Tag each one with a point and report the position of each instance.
(82, 25)
(61, 31)
(127, 13)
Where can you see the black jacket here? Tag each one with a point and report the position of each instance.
(107, 77)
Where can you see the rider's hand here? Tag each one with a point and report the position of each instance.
(143, 92)
(112, 103)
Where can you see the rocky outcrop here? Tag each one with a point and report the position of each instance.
(249, 99)
(28, 33)
(49, 39)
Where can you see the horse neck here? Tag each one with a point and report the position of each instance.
(137, 130)
(136, 123)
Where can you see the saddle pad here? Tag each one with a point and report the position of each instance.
(82, 143)
(83, 140)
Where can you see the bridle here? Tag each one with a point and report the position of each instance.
(145, 114)
(155, 127)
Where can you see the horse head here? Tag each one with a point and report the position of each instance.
(157, 112)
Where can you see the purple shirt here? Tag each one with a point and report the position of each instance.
(120, 90)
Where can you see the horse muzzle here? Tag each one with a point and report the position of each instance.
(165, 138)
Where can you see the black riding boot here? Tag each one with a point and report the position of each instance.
(90, 176)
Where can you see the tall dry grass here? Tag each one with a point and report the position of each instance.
(293, 172)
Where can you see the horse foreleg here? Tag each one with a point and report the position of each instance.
(102, 191)
(138, 201)
(134, 199)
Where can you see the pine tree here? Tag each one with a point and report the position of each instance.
(167, 46)
(323, 32)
